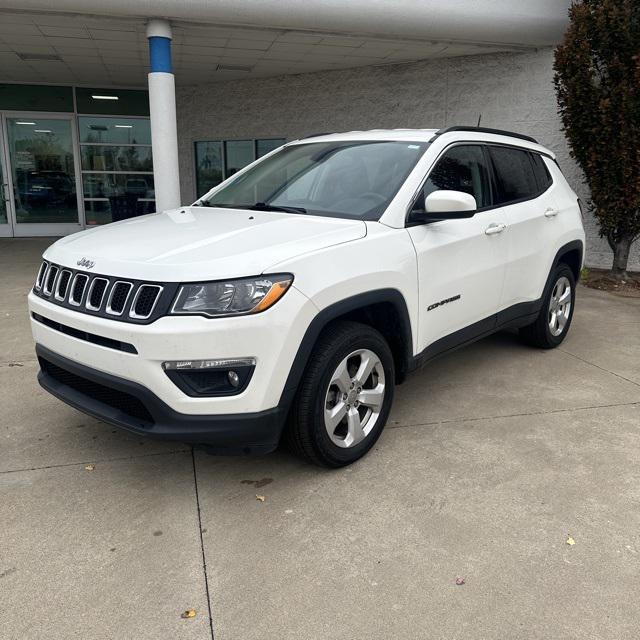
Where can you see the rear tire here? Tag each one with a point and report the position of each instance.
(344, 397)
(552, 324)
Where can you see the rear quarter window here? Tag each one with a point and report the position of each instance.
(515, 176)
(542, 174)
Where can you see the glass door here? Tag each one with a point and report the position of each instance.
(5, 226)
(43, 173)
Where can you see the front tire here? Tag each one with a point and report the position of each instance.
(344, 397)
(552, 324)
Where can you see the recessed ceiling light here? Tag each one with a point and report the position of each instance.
(232, 67)
(105, 97)
(123, 126)
(25, 123)
(38, 56)
(43, 130)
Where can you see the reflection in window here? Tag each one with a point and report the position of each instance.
(44, 185)
(217, 160)
(100, 130)
(265, 146)
(117, 168)
(463, 168)
(208, 165)
(237, 154)
(111, 197)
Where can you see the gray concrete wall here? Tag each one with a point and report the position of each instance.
(512, 91)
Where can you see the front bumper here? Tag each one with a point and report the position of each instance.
(271, 337)
(132, 406)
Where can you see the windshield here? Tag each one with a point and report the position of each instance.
(338, 179)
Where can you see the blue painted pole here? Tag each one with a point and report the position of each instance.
(162, 111)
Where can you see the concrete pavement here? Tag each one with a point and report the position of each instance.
(493, 456)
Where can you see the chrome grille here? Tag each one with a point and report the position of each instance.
(50, 279)
(63, 284)
(118, 297)
(77, 289)
(96, 294)
(145, 301)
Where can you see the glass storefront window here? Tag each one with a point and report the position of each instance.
(105, 185)
(208, 165)
(96, 130)
(105, 210)
(107, 158)
(43, 173)
(269, 144)
(117, 168)
(133, 102)
(237, 154)
(216, 160)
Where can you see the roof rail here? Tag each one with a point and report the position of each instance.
(499, 132)
(314, 135)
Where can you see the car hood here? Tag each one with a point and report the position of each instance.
(199, 243)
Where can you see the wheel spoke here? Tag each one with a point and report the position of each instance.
(341, 377)
(367, 363)
(566, 296)
(355, 432)
(562, 320)
(372, 397)
(333, 416)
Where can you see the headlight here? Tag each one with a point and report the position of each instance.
(231, 297)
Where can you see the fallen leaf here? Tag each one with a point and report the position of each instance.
(90, 467)
(261, 498)
(189, 613)
(570, 541)
(459, 580)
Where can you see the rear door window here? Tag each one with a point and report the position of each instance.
(514, 174)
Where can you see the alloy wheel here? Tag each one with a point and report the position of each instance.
(354, 398)
(559, 306)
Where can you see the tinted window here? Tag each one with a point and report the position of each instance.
(514, 169)
(462, 168)
(541, 172)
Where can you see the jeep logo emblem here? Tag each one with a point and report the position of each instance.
(88, 264)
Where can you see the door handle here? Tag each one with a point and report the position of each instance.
(551, 213)
(494, 228)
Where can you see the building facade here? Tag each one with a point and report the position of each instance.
(76, 153)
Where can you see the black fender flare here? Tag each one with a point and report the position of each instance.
(334, 311)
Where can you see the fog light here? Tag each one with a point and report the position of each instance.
(210, 378)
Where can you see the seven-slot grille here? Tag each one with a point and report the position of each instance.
(97, 294)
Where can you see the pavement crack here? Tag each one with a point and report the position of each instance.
(204, 557)
(94, 461)
(512, 415)
(613, 373)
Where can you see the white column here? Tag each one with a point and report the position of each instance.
(162, 109)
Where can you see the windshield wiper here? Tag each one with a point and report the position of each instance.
(263, 206)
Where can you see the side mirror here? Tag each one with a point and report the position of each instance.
(446, 205)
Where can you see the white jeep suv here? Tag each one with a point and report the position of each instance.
(289, 300)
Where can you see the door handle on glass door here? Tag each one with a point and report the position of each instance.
(551, 212)
(494, 228)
